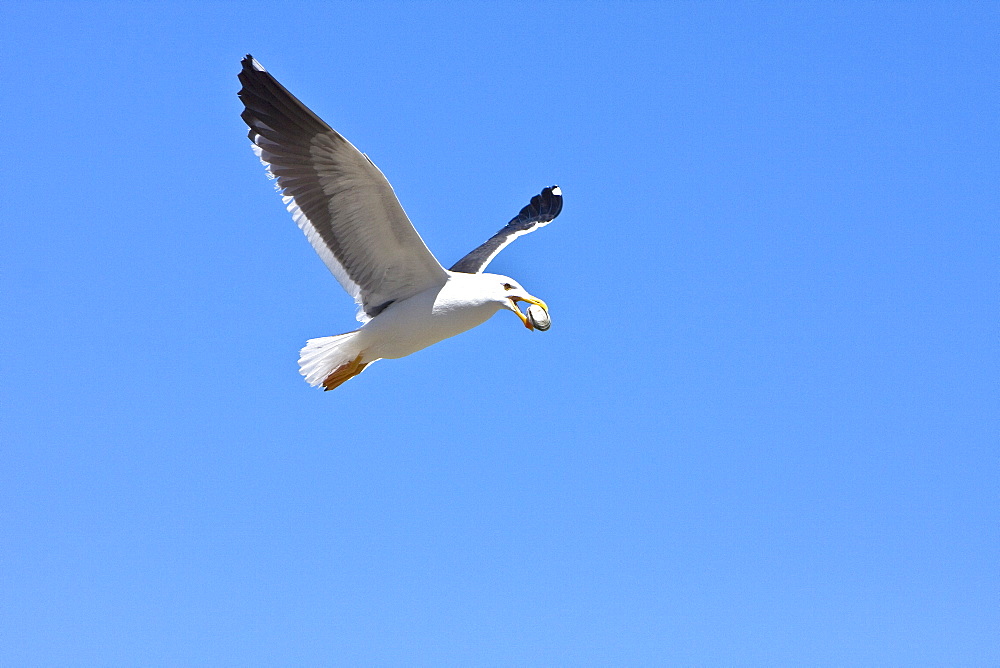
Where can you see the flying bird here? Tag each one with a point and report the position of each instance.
(350, 214)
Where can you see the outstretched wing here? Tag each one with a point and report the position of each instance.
(542, 210)
(338, 197)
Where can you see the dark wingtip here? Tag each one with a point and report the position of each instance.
(250, 64)
(544, 207)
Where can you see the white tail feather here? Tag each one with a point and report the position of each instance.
(322, 356)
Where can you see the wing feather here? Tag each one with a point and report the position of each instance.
(337, 196)
(541, 211)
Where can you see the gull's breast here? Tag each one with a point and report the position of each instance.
(422, 320)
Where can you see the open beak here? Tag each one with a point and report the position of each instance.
(530, 300)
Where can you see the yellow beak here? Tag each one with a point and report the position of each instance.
(530, 300)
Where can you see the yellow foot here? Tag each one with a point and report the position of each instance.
(344, 373)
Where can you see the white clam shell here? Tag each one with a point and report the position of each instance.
(538, 318)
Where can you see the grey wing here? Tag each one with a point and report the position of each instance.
(339, 198)
(542, 210)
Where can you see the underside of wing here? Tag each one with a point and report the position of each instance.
(541, 211)
(338, 197)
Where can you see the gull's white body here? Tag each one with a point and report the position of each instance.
(429, 317)
(463, 302)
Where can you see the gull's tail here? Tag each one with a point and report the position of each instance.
(331, 360)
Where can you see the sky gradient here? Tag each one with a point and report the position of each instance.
(763, 429)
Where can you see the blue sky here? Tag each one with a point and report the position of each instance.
(763, 429)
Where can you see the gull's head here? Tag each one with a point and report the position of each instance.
(509, 292)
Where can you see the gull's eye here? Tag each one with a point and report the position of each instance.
(508, 286)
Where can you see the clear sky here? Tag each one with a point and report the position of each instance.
(763, 429)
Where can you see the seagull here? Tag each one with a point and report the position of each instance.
(351, 216)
